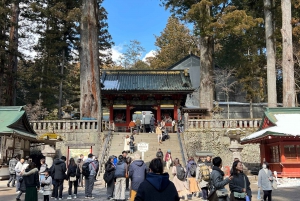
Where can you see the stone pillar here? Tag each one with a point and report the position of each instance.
(49, 154)
(235, 146)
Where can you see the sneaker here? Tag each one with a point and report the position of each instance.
(41, 191)
(91, 198)
(59, 198)
(69, 197)
(17, 192)
(86, 197)
(75, 196)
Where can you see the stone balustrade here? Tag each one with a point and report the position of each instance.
(63, 125)
(91, 125)
(223, 123)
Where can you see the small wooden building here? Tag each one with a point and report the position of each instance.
(279, 139)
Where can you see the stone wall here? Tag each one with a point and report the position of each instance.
(216, 141)
(78, 139)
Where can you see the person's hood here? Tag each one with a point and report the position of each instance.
(29, 172)
(120, 162)
(88, 160)
(58, 161)
(139, 163)
(159, 181)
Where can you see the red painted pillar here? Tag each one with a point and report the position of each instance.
(158, 113)
(175, 113)
(127, 115)
(111, 113)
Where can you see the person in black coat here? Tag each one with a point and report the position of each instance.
(73, 173)
(31, 180)
(157, 186)
(110, 168)
(59, 176)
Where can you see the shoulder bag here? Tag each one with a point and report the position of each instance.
(240, 195)
(73, 178)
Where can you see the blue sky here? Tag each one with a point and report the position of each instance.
(135, 20)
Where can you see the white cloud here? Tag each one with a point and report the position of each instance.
(116, 52)
(149, 54)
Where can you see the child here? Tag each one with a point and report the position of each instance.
(46, 183)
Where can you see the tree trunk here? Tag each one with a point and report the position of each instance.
(13, 54)
(287, 55)
(227, 99)
(271, 60)
(251, 109)
(206, 73)
(61, 85)
(89, 62)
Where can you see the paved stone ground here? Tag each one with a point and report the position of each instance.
(281, 194)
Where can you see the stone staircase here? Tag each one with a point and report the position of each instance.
(117, 145)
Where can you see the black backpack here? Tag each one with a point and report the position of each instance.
(159, 154)
(193, 169)
(86, 169)
(180, 173)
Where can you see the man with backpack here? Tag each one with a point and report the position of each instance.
(191, 170)
(160, 154)
(89, 171)
(203, 177)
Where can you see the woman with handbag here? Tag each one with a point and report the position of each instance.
(108, 177)
(217, 182)
(73, 175)
(239, 186)
(265, 181)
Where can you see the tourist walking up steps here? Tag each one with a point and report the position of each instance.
(217, 181)
(110, 174)
(31, 179)
(239, 185)
(73, 175)
(59, 176)
(191, 169)
(137, 173)
(265, 180)
(179, 179)
(120, 175)
(89, 171)
(12, 172)
(157, 185)
(152, 123)
(160, 154)
(168, 159)
(158, 132)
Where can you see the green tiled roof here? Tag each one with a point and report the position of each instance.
(141, 80)
(13, 119)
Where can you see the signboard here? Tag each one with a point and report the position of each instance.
(143, 147)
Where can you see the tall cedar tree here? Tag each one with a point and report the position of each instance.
(174, 43)
(213, 20)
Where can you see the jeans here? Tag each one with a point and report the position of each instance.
(151, 128)
(58, 188)
(46, 197)
(89, 185)
(110, 189)
(12, 178)
(18, 183)
(71, 183)
(120, 188)
(204, 193)
(268, 194)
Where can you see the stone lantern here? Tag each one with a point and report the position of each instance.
(49, 154)
(235, 143)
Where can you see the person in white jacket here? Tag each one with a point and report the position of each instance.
(19, 169)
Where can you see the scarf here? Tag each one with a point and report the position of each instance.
(219, 170)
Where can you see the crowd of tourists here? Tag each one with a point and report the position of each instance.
(145, 183)
(25, 176)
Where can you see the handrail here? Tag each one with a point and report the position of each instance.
(104, 152)
(181, 148)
